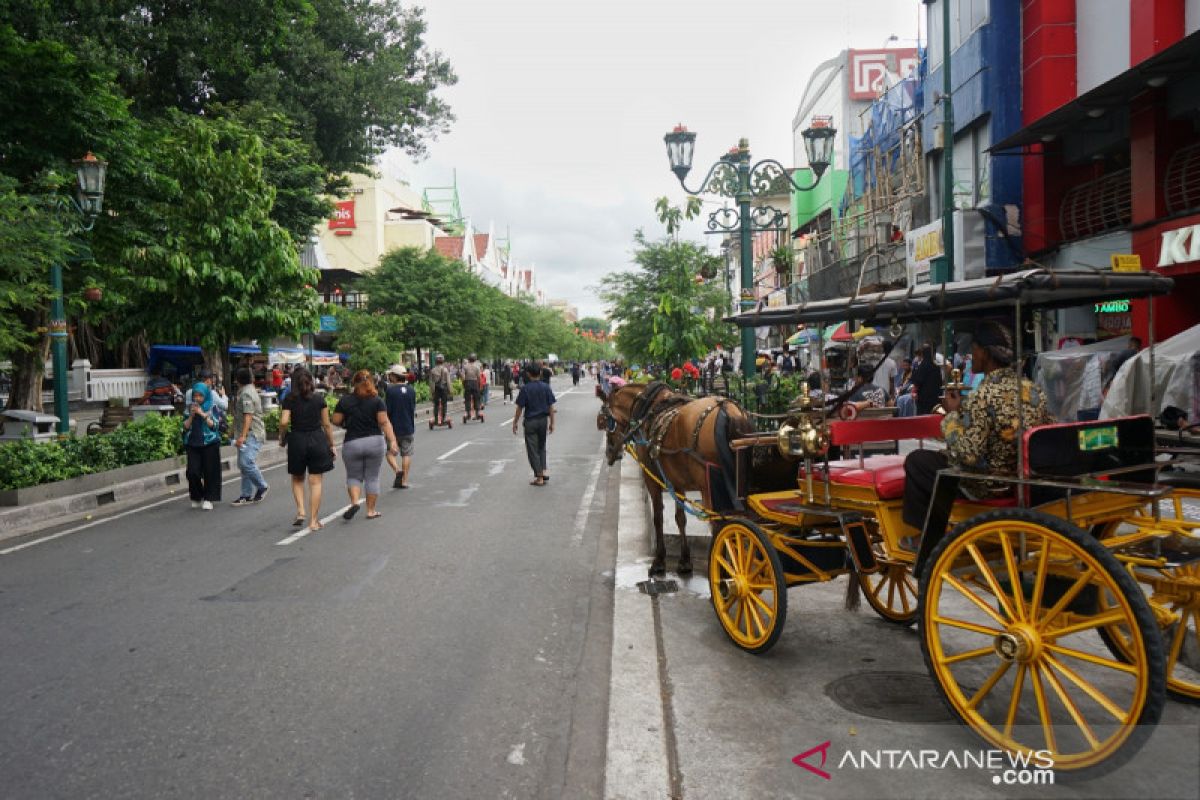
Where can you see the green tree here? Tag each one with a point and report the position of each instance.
(666, 315)
(373, 340)
(216, 267)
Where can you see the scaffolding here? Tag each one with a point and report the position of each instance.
(442, 202)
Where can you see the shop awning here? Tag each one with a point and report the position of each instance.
(1180, 61)
(185, 355)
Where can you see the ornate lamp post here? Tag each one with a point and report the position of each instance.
(734, 176)
(88, 200)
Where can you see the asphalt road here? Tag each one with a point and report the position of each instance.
(459, 647)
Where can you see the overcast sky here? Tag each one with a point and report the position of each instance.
(562, 106)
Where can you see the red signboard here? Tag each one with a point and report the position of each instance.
(343, 218)
(869, 70)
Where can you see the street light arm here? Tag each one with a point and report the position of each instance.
(722, 179)
(769, 177)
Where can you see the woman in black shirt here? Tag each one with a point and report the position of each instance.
(305, 429)
(364, 415)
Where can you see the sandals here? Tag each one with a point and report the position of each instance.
(316, 526)
(298, 522)
(537, 482)
(350, 512)
(376, 515)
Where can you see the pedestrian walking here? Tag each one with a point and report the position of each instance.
(485, 385)
(401, 402)
(439, 386)
(506, 379)
(305, 429)
(575, 373)
(251, 435)
(369, 437)
(536, 400)
(202, 441)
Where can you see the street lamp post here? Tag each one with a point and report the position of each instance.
(89, 197)
(734, 176)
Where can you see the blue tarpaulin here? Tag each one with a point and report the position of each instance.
(184, 357)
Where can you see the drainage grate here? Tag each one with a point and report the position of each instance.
(657, 587)
(894, 696)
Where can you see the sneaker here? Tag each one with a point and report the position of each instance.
(260, 494)
(242, 501)
(206, 506)
(195, 504)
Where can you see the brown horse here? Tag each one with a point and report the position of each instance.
(684, 444)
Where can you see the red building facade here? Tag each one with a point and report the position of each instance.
(1111, 143)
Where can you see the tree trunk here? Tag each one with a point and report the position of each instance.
(29, 366)
(217, 360)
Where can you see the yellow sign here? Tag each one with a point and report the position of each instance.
(928, 245)
(1126, 263)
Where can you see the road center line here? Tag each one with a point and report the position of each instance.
(300, 534)
(449, 453)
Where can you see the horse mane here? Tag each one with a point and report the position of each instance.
(654, 399)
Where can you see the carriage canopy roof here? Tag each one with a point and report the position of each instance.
(1036, 288)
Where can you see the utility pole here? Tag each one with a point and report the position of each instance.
(947, 146)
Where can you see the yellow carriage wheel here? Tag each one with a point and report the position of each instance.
(1010, 604)
(1181, 638)
(892, 590)
(747, 586)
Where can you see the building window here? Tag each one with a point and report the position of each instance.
(966, 16)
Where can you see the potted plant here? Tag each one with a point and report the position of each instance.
(92, 292)
(783, 258)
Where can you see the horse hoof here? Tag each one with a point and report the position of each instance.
(685, 568)
(658, 571)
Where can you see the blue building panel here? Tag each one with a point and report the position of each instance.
(986, 73)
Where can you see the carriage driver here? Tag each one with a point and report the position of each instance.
(980, 431)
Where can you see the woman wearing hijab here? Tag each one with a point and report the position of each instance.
(202, 441)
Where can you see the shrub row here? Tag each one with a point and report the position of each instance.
(28, 463)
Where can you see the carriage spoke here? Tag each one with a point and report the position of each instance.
(986, 689)
(1100, 697)
(731, 558)
(903, 593)
(1092, 659)
(1039, 694)
(891, 592)
(1107, 618)
(762, 603)
(976, 599)
(1084, 578)
(725, 565)
(968, 626)
(1072, 709)
(1039, 582)
(1015, 702)
(1014, 577)
(966, 655)
(985, 569)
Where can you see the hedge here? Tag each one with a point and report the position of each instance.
(27, 463)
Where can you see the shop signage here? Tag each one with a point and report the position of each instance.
(1113, 307)
(1124, 262)
(1180, 246)
(329, 323)
(924, 244)
(869, 70)
(342, 222)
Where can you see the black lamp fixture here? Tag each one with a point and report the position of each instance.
(681, 143)
(89, 173)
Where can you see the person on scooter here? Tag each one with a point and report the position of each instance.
(470, 380)
(439, 385)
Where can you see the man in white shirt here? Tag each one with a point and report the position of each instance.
(885, 375)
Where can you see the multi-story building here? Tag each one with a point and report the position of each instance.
(1109, 148)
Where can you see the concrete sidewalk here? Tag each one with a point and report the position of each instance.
(693, 716)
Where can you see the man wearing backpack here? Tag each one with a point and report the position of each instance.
(439, 385)
(470, 379)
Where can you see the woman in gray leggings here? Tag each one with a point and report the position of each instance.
(364, 415)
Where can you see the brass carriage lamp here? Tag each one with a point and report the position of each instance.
(681, 143)
(818, 144)
(89, 173)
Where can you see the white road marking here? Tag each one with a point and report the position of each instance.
(300, 534)
(93, 523)
(496, 466)
(464, 497)
(449, 453)
(517, 755)
(506, 422)
(585, 508)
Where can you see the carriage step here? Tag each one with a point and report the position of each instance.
(655, 587)
(858, 542)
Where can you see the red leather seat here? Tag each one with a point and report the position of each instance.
(884, 474)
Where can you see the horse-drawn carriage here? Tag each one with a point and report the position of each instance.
(1055, 616)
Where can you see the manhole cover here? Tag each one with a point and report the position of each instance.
(658, 587)
(895, 696)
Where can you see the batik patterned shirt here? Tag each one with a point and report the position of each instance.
(982, 435)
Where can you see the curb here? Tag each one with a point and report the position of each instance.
(34, 517)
